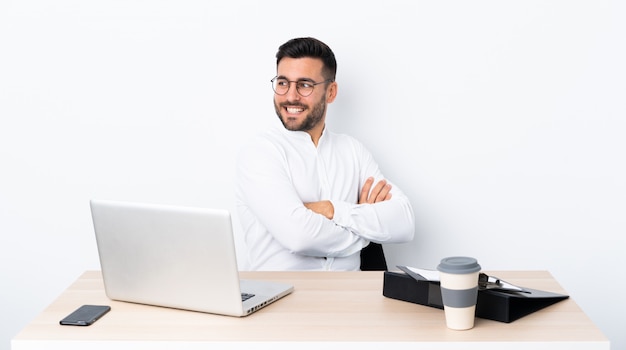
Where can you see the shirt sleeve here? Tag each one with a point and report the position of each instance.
(264, 185)
(390, 221)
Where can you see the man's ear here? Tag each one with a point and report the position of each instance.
(331, 92)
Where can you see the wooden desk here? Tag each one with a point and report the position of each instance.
(343, 310)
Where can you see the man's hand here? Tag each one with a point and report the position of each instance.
(379, 193)
(325, 208)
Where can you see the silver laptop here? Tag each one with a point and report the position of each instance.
(176, 257)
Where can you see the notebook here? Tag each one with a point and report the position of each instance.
(177, 257)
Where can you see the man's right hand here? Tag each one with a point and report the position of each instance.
(379, 193)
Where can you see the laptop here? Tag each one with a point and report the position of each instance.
(176, 257)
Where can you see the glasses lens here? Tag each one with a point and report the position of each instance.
(280, 86)
(305, 88)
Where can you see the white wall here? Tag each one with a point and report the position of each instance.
(503, 121)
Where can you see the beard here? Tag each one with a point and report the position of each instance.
(313, 118)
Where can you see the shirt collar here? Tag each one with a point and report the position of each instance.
(302, 135)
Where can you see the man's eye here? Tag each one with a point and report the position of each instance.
(282, 83)
(305, 85)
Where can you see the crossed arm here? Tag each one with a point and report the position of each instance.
(380, 192)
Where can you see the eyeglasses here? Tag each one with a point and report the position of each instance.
(303, 87)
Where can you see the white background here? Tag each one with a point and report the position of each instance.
(503, 121)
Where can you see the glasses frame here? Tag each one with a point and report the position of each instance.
(311, 82)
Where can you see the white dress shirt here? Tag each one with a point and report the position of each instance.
(281, 170)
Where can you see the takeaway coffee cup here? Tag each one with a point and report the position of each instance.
(459, 290)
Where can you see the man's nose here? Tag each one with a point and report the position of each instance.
(292, 93)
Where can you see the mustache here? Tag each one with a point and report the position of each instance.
(292, 104)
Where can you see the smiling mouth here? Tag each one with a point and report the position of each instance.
(294, 109)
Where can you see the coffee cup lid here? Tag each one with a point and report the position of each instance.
(458, 265)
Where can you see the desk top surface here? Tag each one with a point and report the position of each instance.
(324, 307)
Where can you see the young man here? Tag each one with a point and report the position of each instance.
(309, 199)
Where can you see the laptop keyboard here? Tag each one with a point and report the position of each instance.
(246, 296)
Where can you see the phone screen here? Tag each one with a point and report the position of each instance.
(85, 315)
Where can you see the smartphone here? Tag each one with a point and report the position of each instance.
(85, 315)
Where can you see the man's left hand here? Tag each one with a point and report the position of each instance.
(325, 208)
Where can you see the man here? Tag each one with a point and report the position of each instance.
(309, 199)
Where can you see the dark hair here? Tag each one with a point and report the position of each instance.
(309, 47)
